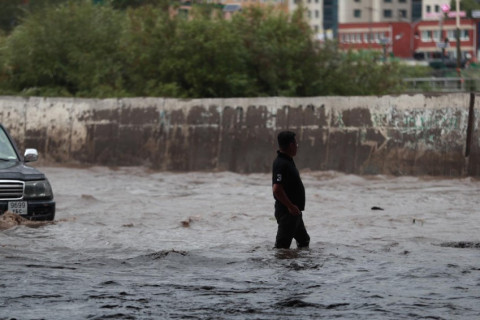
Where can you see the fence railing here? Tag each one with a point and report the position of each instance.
(442, 84)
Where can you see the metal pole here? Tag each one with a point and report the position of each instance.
(412, 37)
(442, 38)
(370, 36)
(459, 53)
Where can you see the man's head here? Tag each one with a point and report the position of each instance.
(287, 143)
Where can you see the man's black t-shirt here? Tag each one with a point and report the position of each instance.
(285, 173)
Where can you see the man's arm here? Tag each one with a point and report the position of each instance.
(281, 196)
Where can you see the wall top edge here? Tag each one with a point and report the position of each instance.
(275, 102)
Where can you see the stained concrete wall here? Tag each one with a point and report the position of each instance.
(401, 135)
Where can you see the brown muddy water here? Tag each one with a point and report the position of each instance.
(134, 244)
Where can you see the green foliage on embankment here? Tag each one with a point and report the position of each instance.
(84, 49)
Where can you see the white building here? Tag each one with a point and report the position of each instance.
(432, 9)
(352, 11)
(369, 11)
(313, 12)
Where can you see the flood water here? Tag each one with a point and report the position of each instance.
(129, 243)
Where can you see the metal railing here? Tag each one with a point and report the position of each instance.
(434, 84)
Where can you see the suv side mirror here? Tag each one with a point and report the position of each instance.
(31, 155)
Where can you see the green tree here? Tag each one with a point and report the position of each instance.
(68, 50)
(13, 11)
(358, 73)
(124, 4)
(209, 59)
(280, 52)
(10, 12)
(147, 42)
(197, 57)
(84, 49)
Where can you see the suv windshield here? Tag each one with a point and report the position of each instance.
(7, 152)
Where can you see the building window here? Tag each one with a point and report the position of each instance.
(452, 35)
(387, 13)
(357, 13)
(358, 0)
(368, 37)
(387, 1)
(402, 1)
(380, 36)
(436, 36)
(429, 9)
(437, 8)
(402, 13)
(317, 14)
(427, 36)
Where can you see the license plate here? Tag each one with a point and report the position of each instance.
(18, 207)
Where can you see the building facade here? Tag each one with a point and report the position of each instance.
(432, 9)
(427, 39)
(313, 13)
(420, 29)
(357, 11)
(417, 10)
(387, 37)
(330, 17)
(433, 39)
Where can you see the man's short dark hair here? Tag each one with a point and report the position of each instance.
(284, 139)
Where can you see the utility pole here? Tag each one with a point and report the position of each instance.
(443, 41)
(459, 53)
(370, 32)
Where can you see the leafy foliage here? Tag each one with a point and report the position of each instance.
(89, 48)
(124, 4)
(69, 50)
(12, 11)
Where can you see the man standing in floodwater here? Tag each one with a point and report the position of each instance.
(289, 194)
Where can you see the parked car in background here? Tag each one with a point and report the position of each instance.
(23, 189)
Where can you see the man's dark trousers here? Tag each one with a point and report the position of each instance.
(290, 227)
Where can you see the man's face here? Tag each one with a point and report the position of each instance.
(293, 148)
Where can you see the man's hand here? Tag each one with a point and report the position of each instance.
(294, 210)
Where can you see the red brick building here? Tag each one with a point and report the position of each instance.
(431, 37)
(389, 37)
(422, 40)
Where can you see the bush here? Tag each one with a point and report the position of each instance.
(258, 53)
(73, 47)
(85, 50)
(279, 53)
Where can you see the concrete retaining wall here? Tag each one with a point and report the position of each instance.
(401, 135)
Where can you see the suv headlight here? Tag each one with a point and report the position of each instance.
(38, 189)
